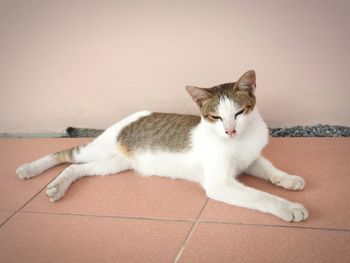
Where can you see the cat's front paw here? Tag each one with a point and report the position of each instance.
(294, 212)
(290, 182)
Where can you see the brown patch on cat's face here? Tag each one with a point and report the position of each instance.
(245, 100)
(210, 107)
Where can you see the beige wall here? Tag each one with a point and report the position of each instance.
(89, 63)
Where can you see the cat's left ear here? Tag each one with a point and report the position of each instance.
(199, 95)
(247, 82)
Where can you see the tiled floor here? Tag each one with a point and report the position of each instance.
(127, 218)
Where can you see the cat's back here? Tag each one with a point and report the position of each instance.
(158, 131)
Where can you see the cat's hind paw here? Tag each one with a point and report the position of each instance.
(26, 171)
(56, 190)
(54, 194)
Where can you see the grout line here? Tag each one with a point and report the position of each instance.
(111, 216)
(18, 210)
(281, 226)
(188, 238)
(3, 223)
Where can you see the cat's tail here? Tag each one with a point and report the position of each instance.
(39, 166)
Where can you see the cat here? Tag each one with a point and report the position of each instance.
(211, 149)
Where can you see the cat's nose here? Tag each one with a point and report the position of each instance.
(231, 132)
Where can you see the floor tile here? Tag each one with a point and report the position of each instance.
(325, 165)
(4, 215)
(127, 194)
(54, 238)
(211, 242)
(14, 152)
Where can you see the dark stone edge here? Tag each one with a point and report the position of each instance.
(319, 130)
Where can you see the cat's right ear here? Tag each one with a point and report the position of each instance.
(199, 95)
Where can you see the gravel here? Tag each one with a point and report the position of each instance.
(318, 130)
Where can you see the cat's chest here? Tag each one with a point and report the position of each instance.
(241, 156)
(246, 150)
(235, 156)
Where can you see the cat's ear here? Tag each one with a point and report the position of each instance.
(247, 82)
(199, 95)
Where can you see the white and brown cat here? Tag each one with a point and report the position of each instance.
(211, 149)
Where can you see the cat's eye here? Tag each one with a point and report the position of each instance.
(214, 117)
(238, 113)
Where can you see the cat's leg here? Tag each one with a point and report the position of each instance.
(29, 170)
(235, 193)
(262, 168)
(57, 188)
(102, 147)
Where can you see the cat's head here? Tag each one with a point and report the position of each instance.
(227, 108)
